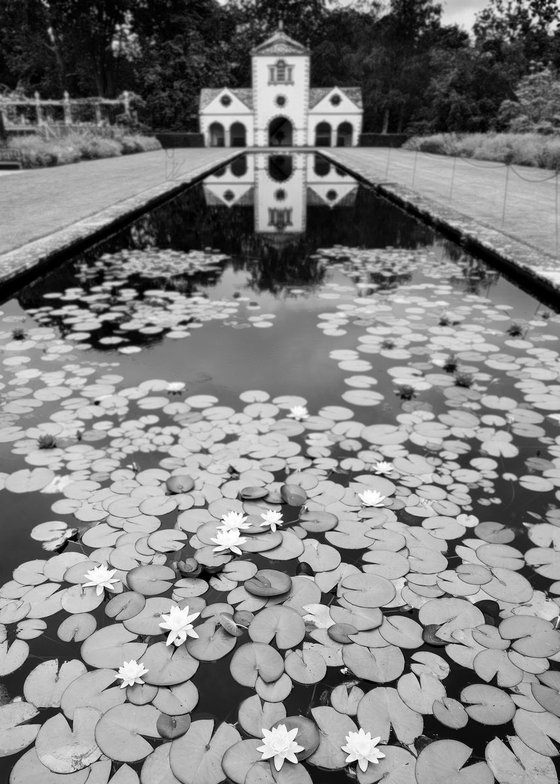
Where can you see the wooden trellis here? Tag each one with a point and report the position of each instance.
(25, 115)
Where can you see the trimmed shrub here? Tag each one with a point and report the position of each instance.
(524, 149)
(36, 151)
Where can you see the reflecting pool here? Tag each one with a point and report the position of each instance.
(279, 456)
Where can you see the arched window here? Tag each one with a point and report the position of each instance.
(322, 166)
(216, 135)
(239, 166)
(323, 135)
(238, 135)
(344, 135)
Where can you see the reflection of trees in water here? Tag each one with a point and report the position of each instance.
(275, 268)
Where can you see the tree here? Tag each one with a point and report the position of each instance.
(525, 28)
(537, 104)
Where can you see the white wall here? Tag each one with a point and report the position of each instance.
(237, 111)
(324, 111)
(297, 95)
(296, 195)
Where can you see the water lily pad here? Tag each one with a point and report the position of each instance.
(333, 728)
(77, 627)
(255, 714)
(520, 764)
(171, 727)
(150, 580)
(367, 590)
(538, 730)
(268, 582)
(450, 713)
(346, 697)
(110, 646)
(121, 732)
(196, 757)
(95, 689)
(487, 704)
(242, 763)
(380, 665)
(125, 605)
(531, 636)
(308, 734)
(15, 733)
(30, 770)
(45, 685)
(254, 660)
(12, 656)
(306, 666)
(213, 643)
(442, 761)
(382, 709)
(281, 624)
(167, 665)
(65, 750)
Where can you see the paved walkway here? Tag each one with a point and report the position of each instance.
(38, 202)
(477, 189)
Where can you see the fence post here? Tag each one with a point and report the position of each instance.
(67, 109)
(98, 113)
(388, 161)
(556, 214)
(414, 168)
(505, 194)
(38, 108)
(452, 178)
(126, 101)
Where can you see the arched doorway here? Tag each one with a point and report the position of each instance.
(280, 167)
(238, 135)
(280, 132)
(344, 135)
(323, 135)
(217, 135)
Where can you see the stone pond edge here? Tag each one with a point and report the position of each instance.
(60, 244)
(534, 267)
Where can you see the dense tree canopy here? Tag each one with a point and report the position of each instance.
(416, 73)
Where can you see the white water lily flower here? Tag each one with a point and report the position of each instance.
(383, 467)
(228, 540)
(179, 623)
(233, 520)
(279, 744)
(371, 498)
(298, 412)
(361, 748)
(100, 578)
(272, 519)
(131, 672)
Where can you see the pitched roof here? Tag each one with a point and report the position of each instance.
(208, 94)
(316, 94)
(279, 44)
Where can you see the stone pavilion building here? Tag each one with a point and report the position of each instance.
(281, 109)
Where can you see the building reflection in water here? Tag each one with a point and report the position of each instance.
(280, 188)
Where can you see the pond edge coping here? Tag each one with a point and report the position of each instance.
(524, 262)
(23, 262)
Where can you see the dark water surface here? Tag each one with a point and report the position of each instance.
(287, 283)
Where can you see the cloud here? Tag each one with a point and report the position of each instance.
(462, 12)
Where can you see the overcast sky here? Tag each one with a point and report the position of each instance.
(462, 12)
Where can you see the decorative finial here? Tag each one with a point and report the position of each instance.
(281, 25)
